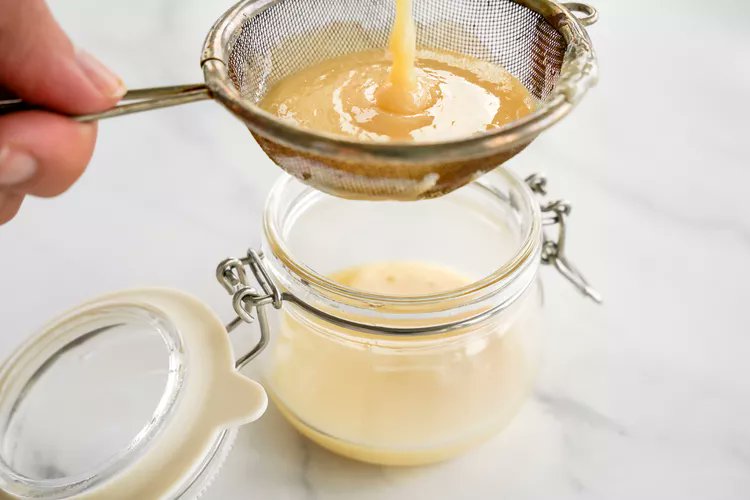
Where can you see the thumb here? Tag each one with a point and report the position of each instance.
(39, 64)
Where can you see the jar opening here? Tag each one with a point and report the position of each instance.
(490, 231)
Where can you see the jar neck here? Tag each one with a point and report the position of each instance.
(480, 299)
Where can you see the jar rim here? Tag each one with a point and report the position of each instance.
(527, 250)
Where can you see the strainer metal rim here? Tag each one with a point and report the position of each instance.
(577, 75)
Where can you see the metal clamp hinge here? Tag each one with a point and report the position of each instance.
(247, 301)
(555, 213)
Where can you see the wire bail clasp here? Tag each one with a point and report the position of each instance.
(555, 213)
(247, 301)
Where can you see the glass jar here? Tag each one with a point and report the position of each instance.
(397, 379)
(137, 393)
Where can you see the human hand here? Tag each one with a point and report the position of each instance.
(42, 153)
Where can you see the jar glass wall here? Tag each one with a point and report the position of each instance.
(418, 378)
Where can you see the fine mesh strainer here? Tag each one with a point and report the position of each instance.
(258, 42)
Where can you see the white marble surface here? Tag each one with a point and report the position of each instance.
(645, 397)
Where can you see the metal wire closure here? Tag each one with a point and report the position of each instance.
(246, 299)
(555, 213)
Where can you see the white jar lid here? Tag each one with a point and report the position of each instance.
(134, 394)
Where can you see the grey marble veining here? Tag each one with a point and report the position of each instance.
(645, 397)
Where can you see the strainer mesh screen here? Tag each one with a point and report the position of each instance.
(277, 38)
(293, 34)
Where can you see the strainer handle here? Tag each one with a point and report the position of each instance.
(589, 15)
(134, 101)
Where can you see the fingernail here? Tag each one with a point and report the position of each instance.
(107, 82)
(15, 166)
